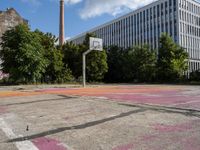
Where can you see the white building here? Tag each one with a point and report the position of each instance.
(179, 18)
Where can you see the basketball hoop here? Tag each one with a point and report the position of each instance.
(95, 44)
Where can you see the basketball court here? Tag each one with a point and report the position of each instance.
(107, 117)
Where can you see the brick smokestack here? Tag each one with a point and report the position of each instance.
(62, 24)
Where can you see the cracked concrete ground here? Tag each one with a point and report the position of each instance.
(154, 117)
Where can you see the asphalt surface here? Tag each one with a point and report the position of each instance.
(124, 117)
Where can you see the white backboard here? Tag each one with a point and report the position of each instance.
(96, 44)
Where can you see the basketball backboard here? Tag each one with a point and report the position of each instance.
(96, 44)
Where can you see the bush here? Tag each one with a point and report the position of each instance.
(195, 75)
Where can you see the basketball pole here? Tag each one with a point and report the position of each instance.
(94, 44)
(84, 67)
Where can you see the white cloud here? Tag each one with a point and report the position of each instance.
(38, 2)
(67, 38)
(72, 1)
(67, 2)
(93, 8)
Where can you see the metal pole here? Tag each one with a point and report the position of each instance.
(84, 69)
(84, 66)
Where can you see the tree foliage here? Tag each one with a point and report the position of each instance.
(195, 75)
(144, 63)
(132, 64)
(172, 60)
(119, 65)
(96, 61)
(72, 58)
(31, 57)
(56, 70)
(23, 55)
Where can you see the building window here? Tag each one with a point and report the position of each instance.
(174, 5)
(170, 2)
(154, 11)
(161, 9)
(158, 10)
(166, 8)
(166, 26)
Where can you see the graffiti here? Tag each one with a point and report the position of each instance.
(3, 75)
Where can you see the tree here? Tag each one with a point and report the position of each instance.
(144, 63)
(119, 65)
(132, 64)
(195, 75)
(23, 55)
(56, 70)
(96, 61)
(172, 60)
(73, 58)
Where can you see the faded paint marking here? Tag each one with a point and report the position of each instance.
(124, 147)
(3, 110)
(173, 128)
(24, 145)
(44, 143)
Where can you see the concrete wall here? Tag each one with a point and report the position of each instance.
(8, 19)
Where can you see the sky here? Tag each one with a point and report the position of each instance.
(80, 15)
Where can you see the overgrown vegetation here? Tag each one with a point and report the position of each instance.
(172, 60)
(96, 61)
(32, 57)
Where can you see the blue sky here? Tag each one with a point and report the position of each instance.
(80, 15)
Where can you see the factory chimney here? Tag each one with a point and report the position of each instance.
(62, 24)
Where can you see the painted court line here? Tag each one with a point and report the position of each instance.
(24, 145)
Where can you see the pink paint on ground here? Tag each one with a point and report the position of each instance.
(148, 137)
(173, 128)
(54, 89)
(124, 147)
(3, 110)
(44, 143)
(191, 143)
(152, 99)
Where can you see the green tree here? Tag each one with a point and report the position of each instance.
(119, 65)
(172, 60)
(96, 61)
(132, 64)
(144, 63)
(56, 70)
(73, 58)
(23, 55)
(195, 75)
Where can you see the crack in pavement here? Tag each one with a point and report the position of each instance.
(76, 127)
(164, 109)
(38, 101)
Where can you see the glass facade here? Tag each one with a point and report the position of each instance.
(179, 18)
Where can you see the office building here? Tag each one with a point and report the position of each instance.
(179, 18)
